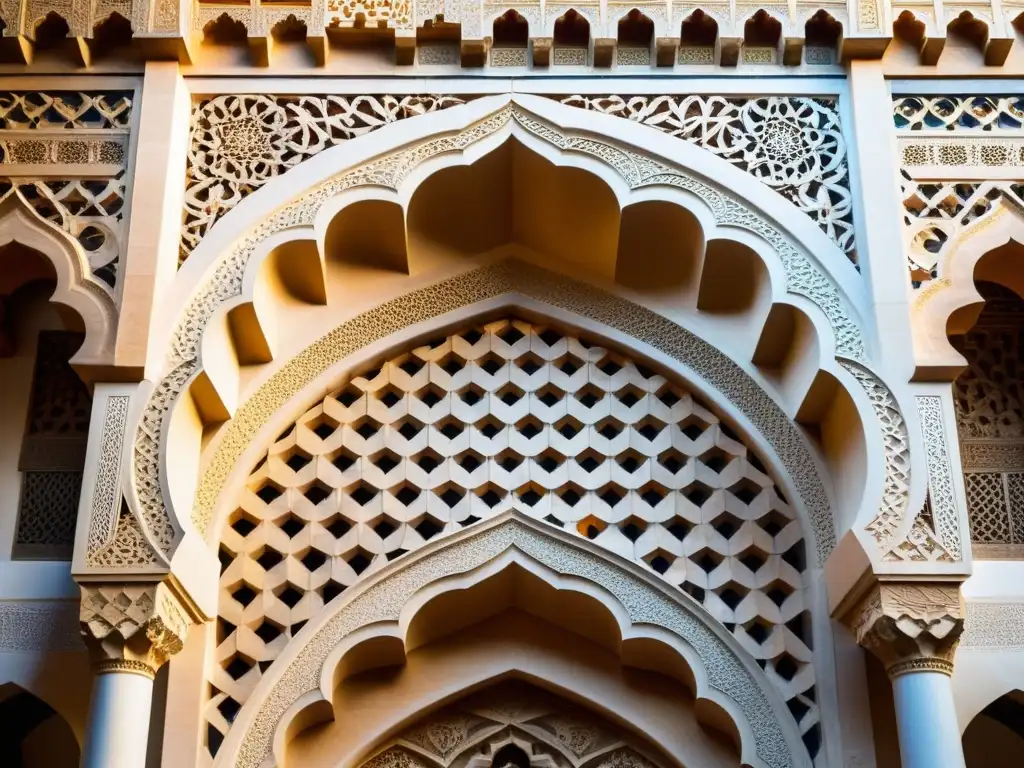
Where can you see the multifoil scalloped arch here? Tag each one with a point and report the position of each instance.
(724, 674)
(513, 278)
(77, 288)
(954, 288)
(224, 281)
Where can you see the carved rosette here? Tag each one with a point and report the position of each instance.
(135, 627)
(910, 626)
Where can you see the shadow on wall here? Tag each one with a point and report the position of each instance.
(32, 734)
(995, 737)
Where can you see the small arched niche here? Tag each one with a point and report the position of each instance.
(995, 737)
(32, 734)
(661, 246)
(513, 195)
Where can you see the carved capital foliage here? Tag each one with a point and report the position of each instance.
(135, 626)
(910, 626)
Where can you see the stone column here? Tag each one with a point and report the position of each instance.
(131, 630)
(913, 628)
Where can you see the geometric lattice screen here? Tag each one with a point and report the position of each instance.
(52, 451)
(505, 415)
(989, 400)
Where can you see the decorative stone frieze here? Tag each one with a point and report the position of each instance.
(135, 626)
(791, 144)
(942, 499)
(467, 28)
(67, 153)
(240, 142)
(805, 278)
(909, 626)
(962, 161)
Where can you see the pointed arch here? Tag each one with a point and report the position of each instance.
(299, 685)
(76, 287)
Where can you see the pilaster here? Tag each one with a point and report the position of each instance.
(878, 209)
(157, 199)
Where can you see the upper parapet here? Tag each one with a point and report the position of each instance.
(520, 33)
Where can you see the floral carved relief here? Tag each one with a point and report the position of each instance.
(240, 142)
(793, 145)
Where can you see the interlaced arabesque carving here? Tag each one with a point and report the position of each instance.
(945, 517)
(57, 427)
(955, 113)
(954, 133)
(510, 415)
(510, 719)
(792, 144)
(920, 542)
(87, 132)
(28, 110)
(937, 213)
(240, 142)
(989, 400)
(804, 278)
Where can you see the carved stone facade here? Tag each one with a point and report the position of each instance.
(52, 451)
(792, 145)
(66, 152)
(239, 143)
(962, 160)
(989, 399)
(692, 480)
(511, 415)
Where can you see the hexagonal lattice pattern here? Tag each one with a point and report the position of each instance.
(510, 415)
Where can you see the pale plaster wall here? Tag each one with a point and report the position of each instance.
(983, 674)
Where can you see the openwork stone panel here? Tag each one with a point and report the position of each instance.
(52, 451)
(792, 144)
(67, 153)
(510, 725)
(989, 399)
(962, 158)
(498, 416)
(240, 142)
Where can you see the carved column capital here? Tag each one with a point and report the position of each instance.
(135, 626)
(910, 626)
